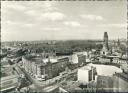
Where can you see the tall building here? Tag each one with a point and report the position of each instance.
(105, 44)
(86, 74)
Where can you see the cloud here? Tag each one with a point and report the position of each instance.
(72, 23)
(49, 6)
(46, 15)
(31, 13)
(54, 16)
(114, 25)
(52, 28)
(14, 6)
(13, 24)
(92, 17)
(28, 25)
(8, 22)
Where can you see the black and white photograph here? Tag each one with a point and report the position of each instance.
(64, 46)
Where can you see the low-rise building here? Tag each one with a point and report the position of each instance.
(115, 60)
(105, 59)
(123, 62)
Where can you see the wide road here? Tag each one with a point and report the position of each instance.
(38, 88)
(40, 85)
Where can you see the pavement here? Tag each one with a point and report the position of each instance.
(38, 88)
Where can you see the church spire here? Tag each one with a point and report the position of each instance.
(118, 42)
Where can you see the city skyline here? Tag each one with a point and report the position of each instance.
(64, 20)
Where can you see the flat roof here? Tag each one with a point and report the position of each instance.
(87, 67)
(40, 60)
(52, 60)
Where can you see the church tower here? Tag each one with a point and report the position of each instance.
(118, 42)
(105, 43)
(105, 49)
(118, 45)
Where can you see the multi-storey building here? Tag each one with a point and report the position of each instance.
(44, 68)
(78, 59)
(104, 83)
(120, 82)
(86, 74)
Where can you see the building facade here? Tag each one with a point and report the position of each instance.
(45, 68)
(104, 83)
(105, 59)
(120, 82)
(79, 59)
(86, 74)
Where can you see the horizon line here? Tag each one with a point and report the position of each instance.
(57, 40)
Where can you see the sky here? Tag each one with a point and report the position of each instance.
(62, 20)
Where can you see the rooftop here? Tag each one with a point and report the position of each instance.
(40, 60)
(87, 68)
(105, 70)
(52, 60)
(84, 53)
